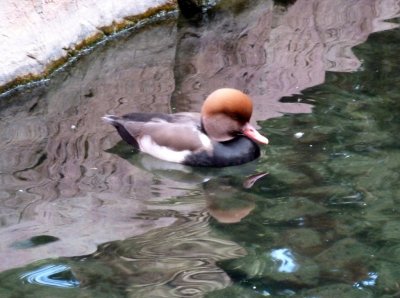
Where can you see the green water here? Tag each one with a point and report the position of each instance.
(323, 222)
(331, 198)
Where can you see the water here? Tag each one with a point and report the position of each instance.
(82, 215)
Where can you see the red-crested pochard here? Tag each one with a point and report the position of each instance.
(218, 137)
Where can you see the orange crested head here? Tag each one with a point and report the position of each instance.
(230, 102)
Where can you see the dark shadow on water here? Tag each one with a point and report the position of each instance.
(34, 241)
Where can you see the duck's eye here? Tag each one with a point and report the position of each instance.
(238, 118)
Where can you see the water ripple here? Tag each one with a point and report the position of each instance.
(59, 276)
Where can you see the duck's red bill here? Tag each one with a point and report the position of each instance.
(252, 133)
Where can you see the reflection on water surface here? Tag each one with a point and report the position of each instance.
(50, 275)
(320, 220)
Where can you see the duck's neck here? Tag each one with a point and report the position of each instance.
(202, 129)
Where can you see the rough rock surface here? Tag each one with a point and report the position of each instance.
(35, 33)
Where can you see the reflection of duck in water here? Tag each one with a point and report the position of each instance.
(226, 201)
(225, 189)
(220, 136)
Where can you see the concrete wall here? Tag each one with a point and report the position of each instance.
(36, 33)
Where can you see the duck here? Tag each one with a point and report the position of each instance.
(219, 136)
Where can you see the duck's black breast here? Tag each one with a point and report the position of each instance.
(235, 152)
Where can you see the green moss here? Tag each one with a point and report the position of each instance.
(19, 81)
(86, 43)
(115, 27)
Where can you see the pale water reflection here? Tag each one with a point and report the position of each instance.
(316, 215)
(51, 276)
(285, 259)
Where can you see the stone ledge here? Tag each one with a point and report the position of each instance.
(38, 36)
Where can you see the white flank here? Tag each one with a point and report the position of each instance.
(148, 146)
(205, 140)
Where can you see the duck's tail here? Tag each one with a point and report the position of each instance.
(110, 119)
(118, 124)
